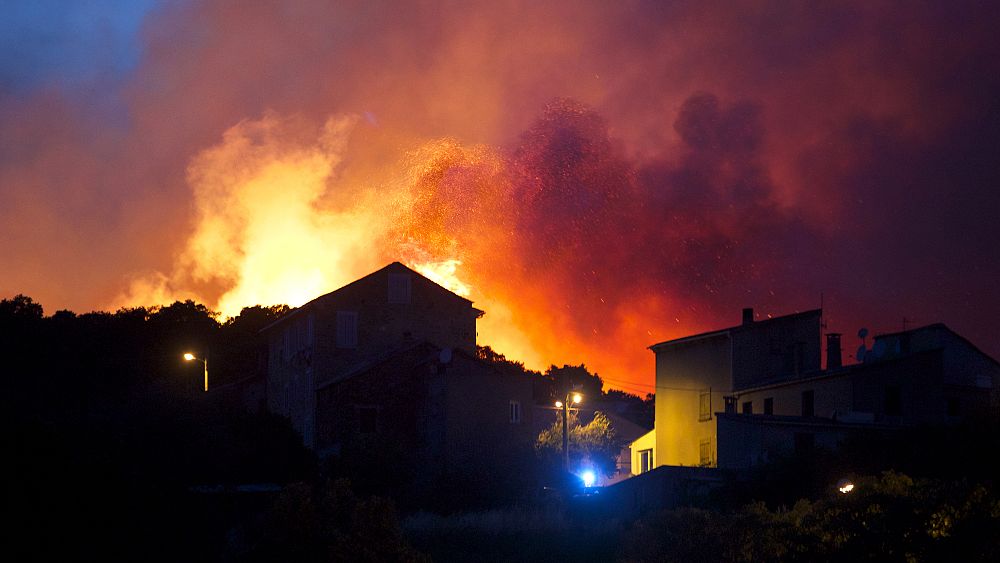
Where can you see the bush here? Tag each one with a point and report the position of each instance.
(887, 518)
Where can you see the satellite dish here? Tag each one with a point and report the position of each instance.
(445, 356)
(863, 333)
(860, 354)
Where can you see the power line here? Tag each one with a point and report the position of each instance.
(646, 386)
(629, 383)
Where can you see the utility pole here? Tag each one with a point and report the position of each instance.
(565, 406)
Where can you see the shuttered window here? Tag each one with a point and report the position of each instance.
(347, 329)
(515, 412)
(399, 288)
(705, 406)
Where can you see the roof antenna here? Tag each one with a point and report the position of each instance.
(822, 313)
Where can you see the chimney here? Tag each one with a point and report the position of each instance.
(748, 315)
(833, 350)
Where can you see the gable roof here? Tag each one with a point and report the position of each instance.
(727, 331)
(394, 267)
(940, 326)
(422, 351)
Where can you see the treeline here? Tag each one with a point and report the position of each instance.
(551, 385)
(111, 435)
(113, 449)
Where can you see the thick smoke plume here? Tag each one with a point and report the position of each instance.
(596, 176)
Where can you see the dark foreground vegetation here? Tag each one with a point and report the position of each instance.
(115, 454)
(891, 517)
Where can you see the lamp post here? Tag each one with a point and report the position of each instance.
(189, 356)
(845, 486)
(564, 405)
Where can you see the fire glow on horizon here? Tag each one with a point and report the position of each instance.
(270, 228)
(595, 176)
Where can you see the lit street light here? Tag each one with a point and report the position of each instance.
(189, 356)
(564, 405)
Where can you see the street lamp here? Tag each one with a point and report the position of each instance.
(845, 486)
(189, 356)
(564, 405)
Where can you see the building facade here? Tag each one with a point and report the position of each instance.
(354, 327)
(740, 396)
(429, 417)
(696, 374)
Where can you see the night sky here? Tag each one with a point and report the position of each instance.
(597, 176)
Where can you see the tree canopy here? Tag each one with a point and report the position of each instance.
(594, 444)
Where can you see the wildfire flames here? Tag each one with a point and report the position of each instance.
(276, 222)
(708, 156)
(445, 275)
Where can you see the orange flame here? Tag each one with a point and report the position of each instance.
(276, 222)
(444, 273)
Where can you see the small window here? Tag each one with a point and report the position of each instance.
(347, 329)
(367, 420)
(730, 402)
(705, 453)
(769, 405)
(808, 403)
(399, 288)
(645, 460)
(705, 406)
(748, 407)
(893, 401)
(953, 406)
(515, 412)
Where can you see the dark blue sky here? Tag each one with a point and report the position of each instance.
(68, 44)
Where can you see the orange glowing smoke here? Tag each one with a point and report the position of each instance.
(548, 237)
(754, 156)
(261, 232)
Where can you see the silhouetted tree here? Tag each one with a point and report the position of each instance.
(569, 378)
(636, 409)
(20, 307)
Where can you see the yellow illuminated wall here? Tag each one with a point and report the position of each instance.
(685, 370)
(645, 442)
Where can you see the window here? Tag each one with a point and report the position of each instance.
(769, 405)
(347, 329)
(893, 401)
(808, 403)
(748, 407)
(399, 288)
(367, 420)
(645, 460)
(705, 453)
(730, 402)
(705, 406)
(515, 412)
